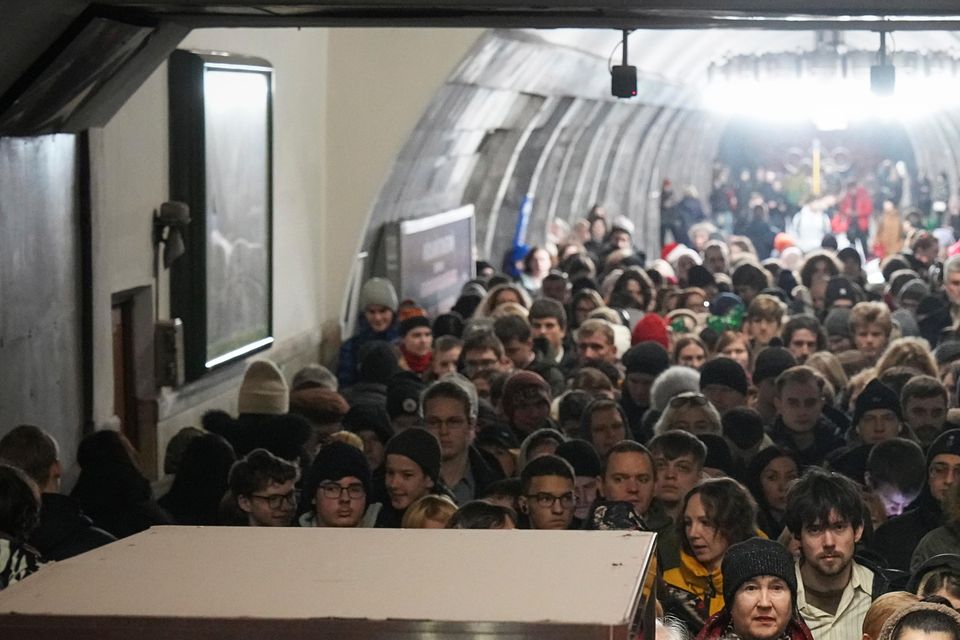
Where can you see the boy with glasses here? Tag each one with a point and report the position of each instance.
(263, 486)
(337, 485)
(547, 495)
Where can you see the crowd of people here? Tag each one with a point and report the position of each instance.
(788, 427)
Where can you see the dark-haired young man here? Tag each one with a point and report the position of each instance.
(483, 350)
(924, 401)
(517, 338)
(263, 486)
(825, 513)
(548, 322)
(547, 496)
(801, 424)
(803, 336)
(678, 457)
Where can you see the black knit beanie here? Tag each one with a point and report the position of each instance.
(421, 446)
(946, 442)
(339, 460)
(369, 417)
(646, 357)
(378, 361)
(403, 394)
(876, 395)
(725, 372)
(413, 322)
(582, 457)
(771, 362)
(718, 453)
(752, 558)
(743, 426)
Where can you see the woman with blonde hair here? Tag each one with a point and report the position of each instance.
(690, 412)
(429, 512)
(908, 352)
(828, 364)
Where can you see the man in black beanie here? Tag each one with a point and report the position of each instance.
(643, 363)
(770, 363)
(337, 486)
(724, 383)
(403, 400)
(877, 415)
(759, 594)
(412, 471)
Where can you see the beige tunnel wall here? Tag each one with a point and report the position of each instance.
(345, 101)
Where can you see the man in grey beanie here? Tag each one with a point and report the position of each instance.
(378, 321)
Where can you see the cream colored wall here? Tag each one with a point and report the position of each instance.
(384, 79)
(345, 102)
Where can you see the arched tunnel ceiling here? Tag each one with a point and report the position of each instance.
(528, 113)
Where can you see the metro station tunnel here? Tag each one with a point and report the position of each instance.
(190, 187)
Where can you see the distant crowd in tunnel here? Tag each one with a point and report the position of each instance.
(775, 395)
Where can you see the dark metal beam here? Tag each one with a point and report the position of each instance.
(653, 14)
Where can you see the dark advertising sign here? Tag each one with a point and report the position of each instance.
(429, 259)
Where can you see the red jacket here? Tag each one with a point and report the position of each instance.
(857, 204)
(716, 626)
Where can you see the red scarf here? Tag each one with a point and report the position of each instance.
(417, 364)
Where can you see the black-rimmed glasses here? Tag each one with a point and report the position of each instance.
(278, 500)
(547, 500)
(335, 491)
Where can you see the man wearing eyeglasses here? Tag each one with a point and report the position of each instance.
(263, 486)
(547, 493)
(450, 408)
(338, 484)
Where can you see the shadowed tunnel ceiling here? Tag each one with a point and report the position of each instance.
(528, 113)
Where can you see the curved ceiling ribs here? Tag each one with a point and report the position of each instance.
(523, 116)
(528, 113)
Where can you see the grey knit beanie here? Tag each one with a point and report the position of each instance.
(756, 557)
(378, 291)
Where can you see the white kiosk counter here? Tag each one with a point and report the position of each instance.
(276, 584)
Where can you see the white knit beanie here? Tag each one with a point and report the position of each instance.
(263, 390)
